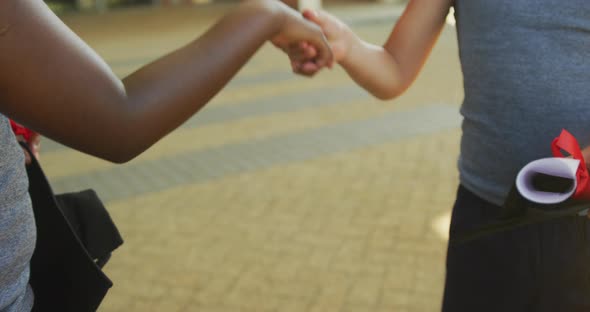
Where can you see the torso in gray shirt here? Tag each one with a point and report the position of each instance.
(526, 68)
(17, 225)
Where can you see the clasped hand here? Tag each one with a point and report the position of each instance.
(304, 54)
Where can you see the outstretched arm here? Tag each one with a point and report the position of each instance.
(52, 82)
(385, 71)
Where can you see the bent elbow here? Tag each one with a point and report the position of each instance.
(122, 154)
(390, 93)
(120, 159)
(386, 95)
(128, 153)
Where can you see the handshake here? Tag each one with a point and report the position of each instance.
(328, 40)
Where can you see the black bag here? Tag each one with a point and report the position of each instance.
(75, 238)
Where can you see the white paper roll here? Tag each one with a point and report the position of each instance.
(559, 167)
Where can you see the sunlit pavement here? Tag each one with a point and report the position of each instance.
(285, 193)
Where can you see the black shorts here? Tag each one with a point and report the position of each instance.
(540, 267)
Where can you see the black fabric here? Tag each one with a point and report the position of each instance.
(539, 267)
(75, 237)
(91, 222)
(517, 211)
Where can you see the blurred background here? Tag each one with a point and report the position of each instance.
(285, 193)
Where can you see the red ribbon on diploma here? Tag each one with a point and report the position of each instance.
(19, 129)
(567, 142)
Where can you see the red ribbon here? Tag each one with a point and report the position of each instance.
(19, 129)
(567, 142)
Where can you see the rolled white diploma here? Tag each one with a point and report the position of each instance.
(555, 166)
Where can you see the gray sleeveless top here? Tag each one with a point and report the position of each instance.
(526, 69)
(17, 225)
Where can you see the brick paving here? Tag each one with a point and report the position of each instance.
(285, 193)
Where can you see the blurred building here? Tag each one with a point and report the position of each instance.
(104, 5)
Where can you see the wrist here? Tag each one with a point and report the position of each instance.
(353, 46)
(268, 11)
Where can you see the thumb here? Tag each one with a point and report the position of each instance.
(313, 16)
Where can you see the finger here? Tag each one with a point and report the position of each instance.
(301, 57)
(314, 16)
(35, 144)
(310, 52)
(35, 137)
(319, 42)
(35, 149)
(27, 158)
(300, 67)
(296, 51)
(309, 68)
(304, 68)
(303, 73)
(307, 74)
(310, 32)
(324, 55)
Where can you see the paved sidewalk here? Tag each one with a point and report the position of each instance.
(285, 193)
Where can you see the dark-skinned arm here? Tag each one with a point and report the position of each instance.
(52, 82)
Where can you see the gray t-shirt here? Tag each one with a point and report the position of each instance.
(17, 225)
(526, 69)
